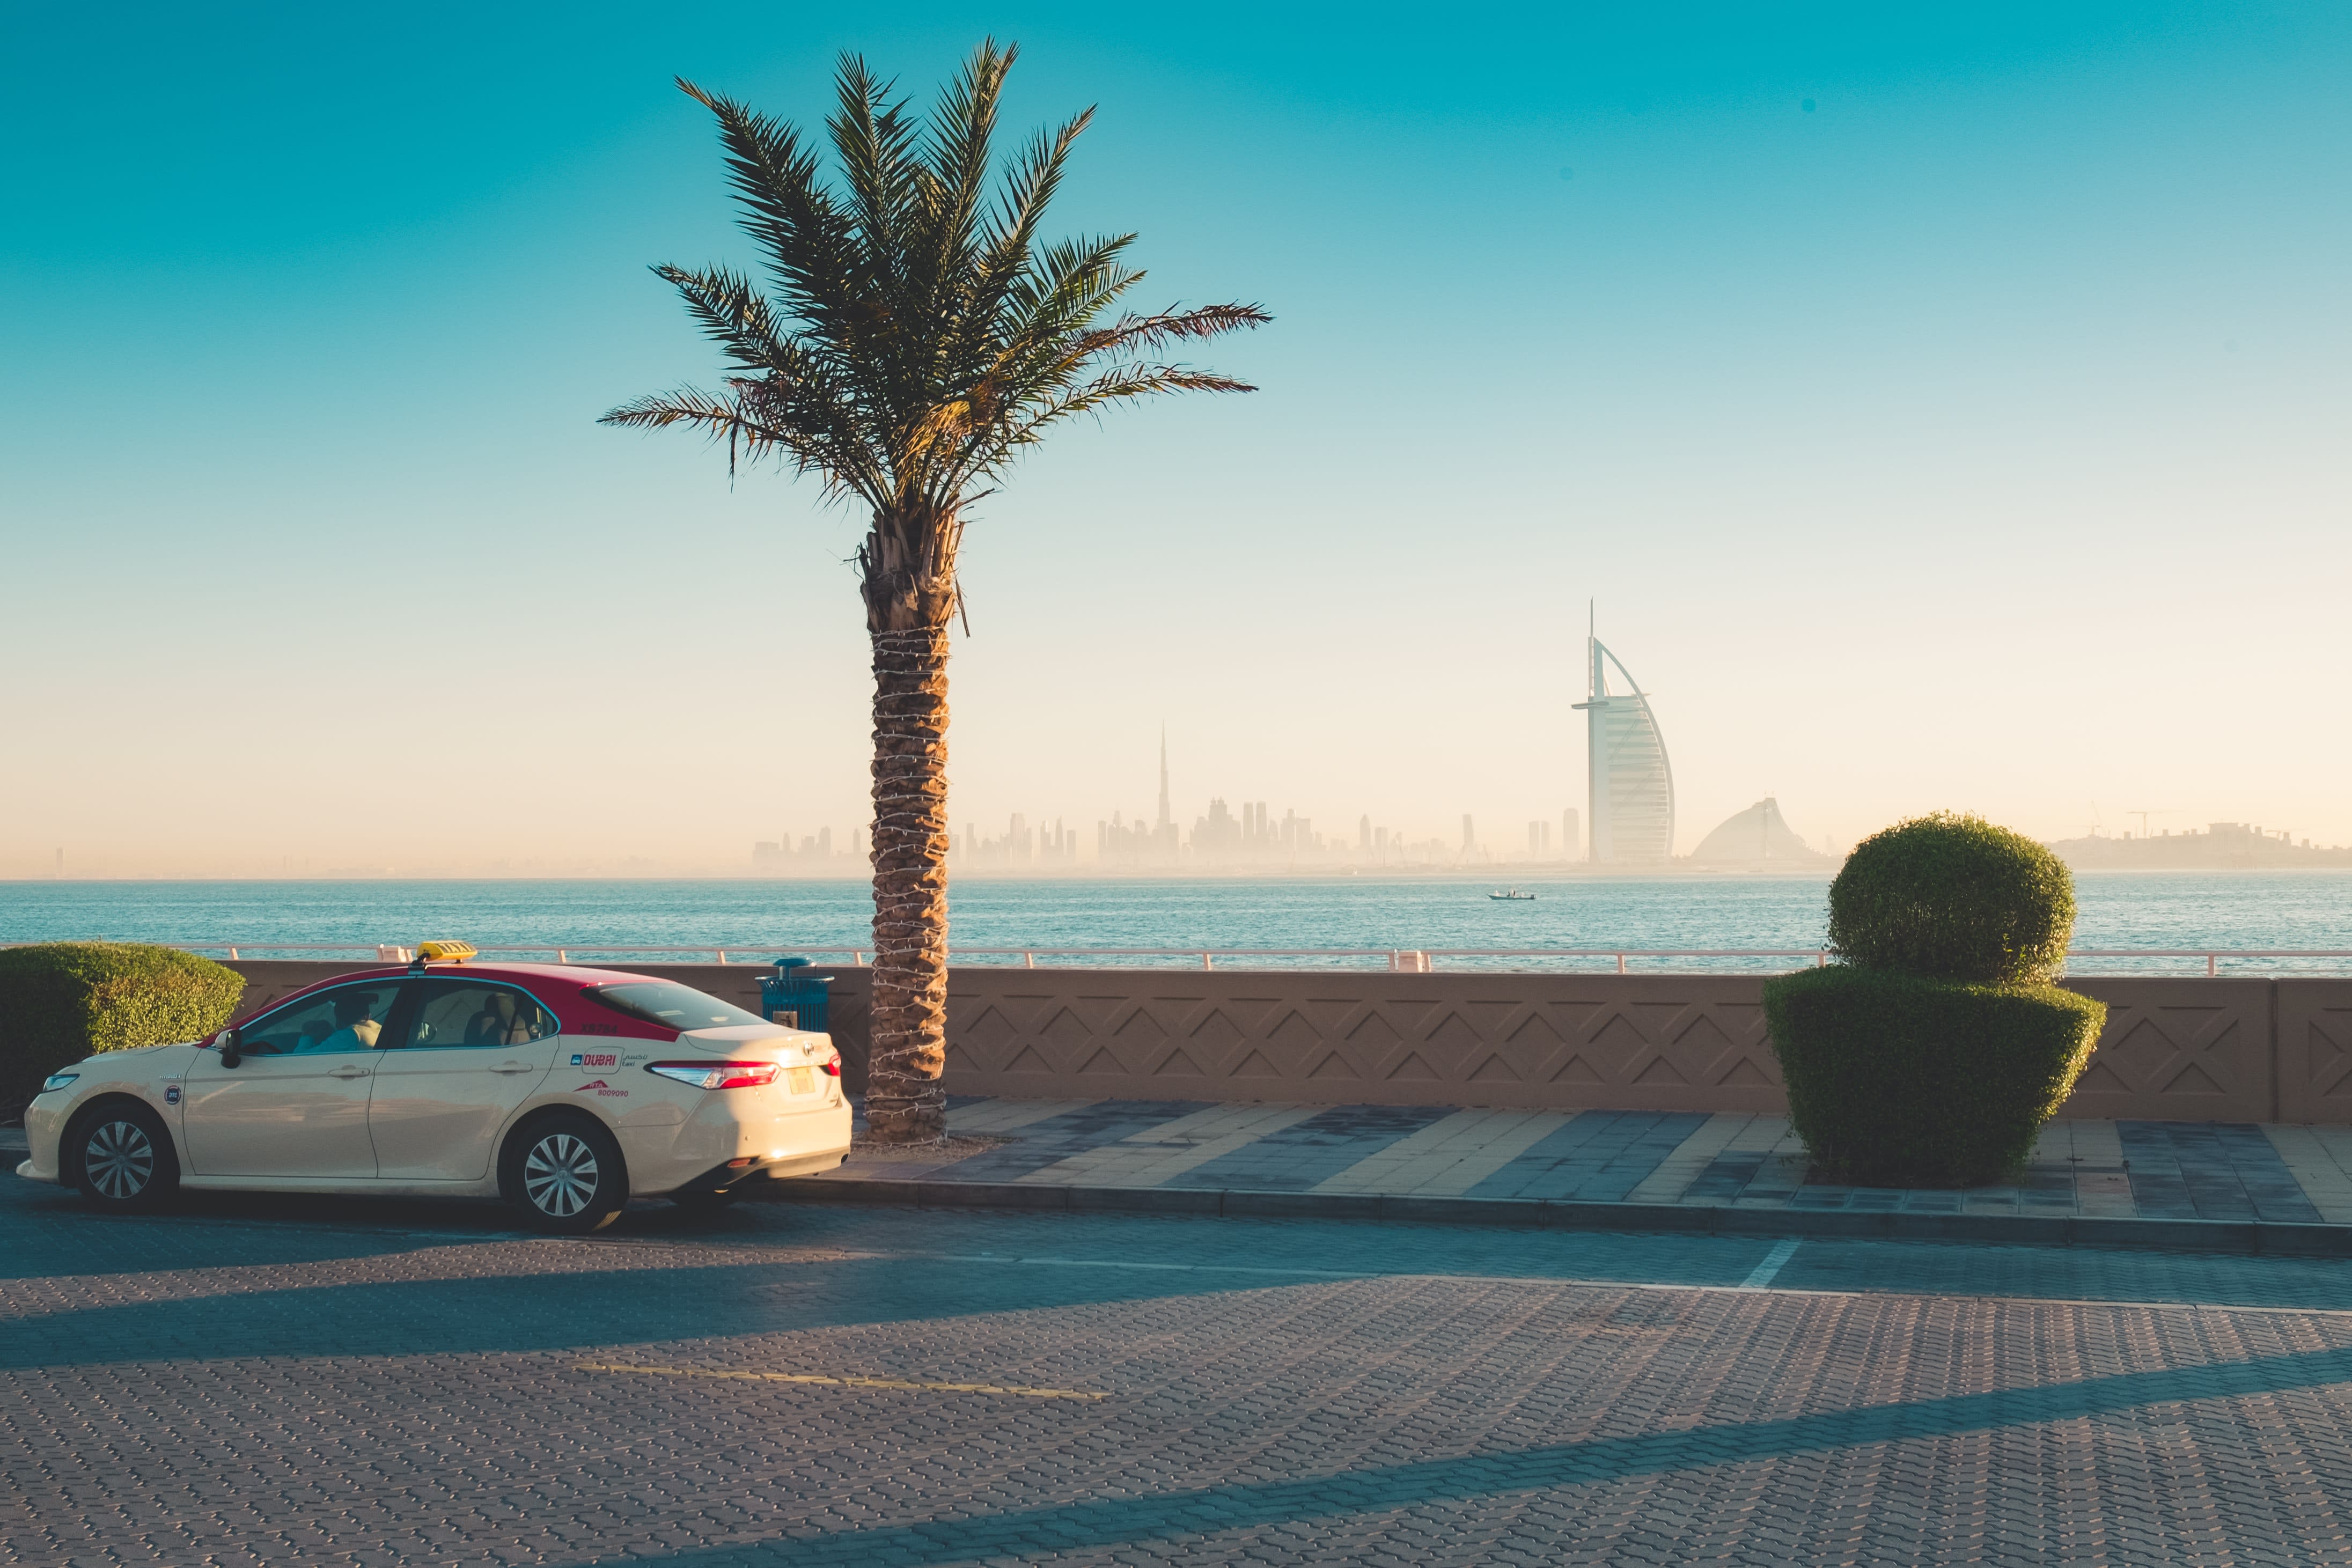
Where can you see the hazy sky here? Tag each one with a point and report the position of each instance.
(1946, 408)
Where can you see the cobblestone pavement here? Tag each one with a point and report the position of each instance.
(2108, 1170)
(266, 1380)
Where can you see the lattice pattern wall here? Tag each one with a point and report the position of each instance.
(1368, 1040)
(2179, 1050)
(2174, 1050)
(2315, 1051)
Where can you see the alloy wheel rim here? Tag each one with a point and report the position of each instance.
(120, 1159)
(559, 1175)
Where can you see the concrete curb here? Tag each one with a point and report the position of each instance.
(2255, 1236)
(2258, 1238)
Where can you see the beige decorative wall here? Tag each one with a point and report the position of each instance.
(2315, 1051)
(2181, 1051)
(2174, 1050)
(1523, 1041)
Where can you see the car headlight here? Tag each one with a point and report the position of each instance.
(57, 1081)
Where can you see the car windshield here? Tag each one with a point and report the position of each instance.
(671, 1005)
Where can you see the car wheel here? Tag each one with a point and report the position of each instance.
(120, 1158)
(565, 1174)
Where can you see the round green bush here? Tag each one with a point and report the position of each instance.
(1899, 1080)
(1952, 897)
(60, 1001)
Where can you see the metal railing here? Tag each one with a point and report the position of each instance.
(2211, 956)
(1395, 960)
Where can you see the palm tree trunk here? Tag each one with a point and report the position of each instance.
(905, 1102)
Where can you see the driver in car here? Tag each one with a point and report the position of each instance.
(354, 1030)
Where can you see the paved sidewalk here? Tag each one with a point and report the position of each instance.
(2240, 1186)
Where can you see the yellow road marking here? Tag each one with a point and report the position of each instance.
(843, 1382)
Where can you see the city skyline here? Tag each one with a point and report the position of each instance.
(1228, 838)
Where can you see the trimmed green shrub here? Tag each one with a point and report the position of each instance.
(1933, 1050)
(1953, 898)
(60, 1001)
(1896, 1079)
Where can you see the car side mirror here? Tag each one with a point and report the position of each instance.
(227, 1043)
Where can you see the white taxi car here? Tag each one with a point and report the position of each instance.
(566, 1089)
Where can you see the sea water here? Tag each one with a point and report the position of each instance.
(2220, 911)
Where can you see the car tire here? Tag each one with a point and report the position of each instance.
(564, 1172)
(119, 1156)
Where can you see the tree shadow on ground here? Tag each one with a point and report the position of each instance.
(52, 1232)
(1127, 1521)
(521, 1310)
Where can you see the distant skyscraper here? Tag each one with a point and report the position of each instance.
(1631, 783)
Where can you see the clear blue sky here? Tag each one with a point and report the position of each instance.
(1946, 408)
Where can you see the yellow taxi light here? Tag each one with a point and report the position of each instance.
(444, 952)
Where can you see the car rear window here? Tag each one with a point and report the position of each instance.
(671, 1005)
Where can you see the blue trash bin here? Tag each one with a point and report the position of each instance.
(791, 996)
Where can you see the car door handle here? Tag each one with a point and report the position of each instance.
(348, 1073)
(514, 1067)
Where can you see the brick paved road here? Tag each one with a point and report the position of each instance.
(277, 1381)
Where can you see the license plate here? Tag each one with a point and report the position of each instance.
(803, 1080)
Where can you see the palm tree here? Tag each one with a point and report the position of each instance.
(916, 338)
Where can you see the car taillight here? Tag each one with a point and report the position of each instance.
(832, 1068)
(718, 1075)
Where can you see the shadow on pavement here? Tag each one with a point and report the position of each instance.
(1115, 1521)
(52, 1232)
(568, 1310)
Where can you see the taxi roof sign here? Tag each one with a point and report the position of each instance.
(444, 952)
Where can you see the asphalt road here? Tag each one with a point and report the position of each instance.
(277, 1381)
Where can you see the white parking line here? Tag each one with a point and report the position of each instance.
(1762, 1275)
(842, 1380)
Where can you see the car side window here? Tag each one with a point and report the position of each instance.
(349, 1018)
(473, 1013)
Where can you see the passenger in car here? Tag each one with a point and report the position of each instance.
(354, 1030)
(499, 1022)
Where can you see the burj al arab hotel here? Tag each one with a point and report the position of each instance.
(1631, 783)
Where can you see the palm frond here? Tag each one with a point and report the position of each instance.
(957, 149)
(732, 312)
(714, 415)
(1142, 334)
(1006, 241)
(874, 140)
(1111, 386)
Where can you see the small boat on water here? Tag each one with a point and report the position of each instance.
(1512, 894)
